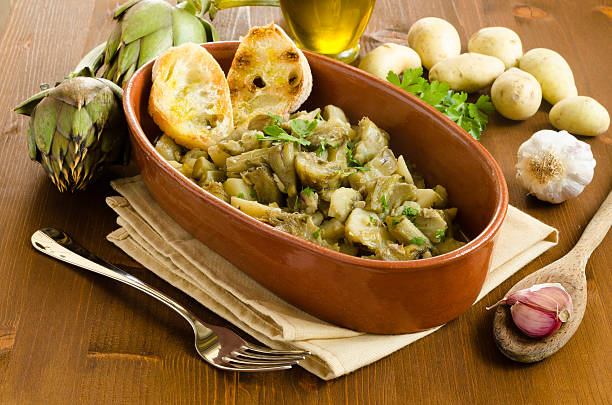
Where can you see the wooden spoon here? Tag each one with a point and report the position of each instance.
(569, 271)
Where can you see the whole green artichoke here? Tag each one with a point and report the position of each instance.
(146, 28)
(76, 129)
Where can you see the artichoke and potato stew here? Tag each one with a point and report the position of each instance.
(319, 178)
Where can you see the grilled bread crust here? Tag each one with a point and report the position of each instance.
(190, 98)
(269, 74)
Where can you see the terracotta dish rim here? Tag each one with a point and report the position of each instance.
(373, 265)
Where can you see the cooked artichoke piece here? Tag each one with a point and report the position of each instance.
(383, 164)
(371, 140)
(210, 176)
(246, 160)
(187, 167)
(427, 198)
(328, 134)
(450, 214)
(194, 154)
(241, 140)
(448, 245)
(333, 113)
(402, 192)
(364, 227)
(308, 201)
(443, 201)
(253, 208)
(239, 188)
(405, 232)
(201, 166)
(332, 230)
(303, 115)
(341, 202)
(215, 188)
(431, 223)
(250, 140)
(402, 169)
(315, 172)
(282, 160)
(218, 155)
(317, 218)
(379, 199)
(297, 224)
(168, 148)
(395, 252)
(265, 187)
(338, 155)
(232, 147)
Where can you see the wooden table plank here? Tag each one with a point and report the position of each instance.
(67, 336)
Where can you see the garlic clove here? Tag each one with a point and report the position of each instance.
(539, 310)
(534, 322)
(548, 297)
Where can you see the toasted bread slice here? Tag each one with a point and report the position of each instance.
(269, 74)
(190, 99)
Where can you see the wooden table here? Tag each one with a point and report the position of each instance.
(67, 336)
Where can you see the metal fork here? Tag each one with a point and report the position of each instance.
(217, 345)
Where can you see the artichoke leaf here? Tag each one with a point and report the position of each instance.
(45, 118)
(186, 28)
(153, 45)
(144, 18)
(127, 58)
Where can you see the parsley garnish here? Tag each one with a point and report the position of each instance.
(307, 191)
(395, 222)
(441, 235)
(373, 220)
(410, 212)
(383, 203)
(319, 117)
(325, 145)
(241, 195)
(472, 117)
(417, 241)
(277, 134)
(316, 233)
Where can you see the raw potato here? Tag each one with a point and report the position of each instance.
(388, 57)
(552, 72)
(580, 115)
(434, 39)
(517, 95)
(467, 72)
(501, 42)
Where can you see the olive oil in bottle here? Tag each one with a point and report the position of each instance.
(329, 27)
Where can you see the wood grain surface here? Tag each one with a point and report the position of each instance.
(70, 337)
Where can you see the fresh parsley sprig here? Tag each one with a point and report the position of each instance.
(300, 129)
(472, 117)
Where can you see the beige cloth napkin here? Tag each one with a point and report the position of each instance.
(153, 239)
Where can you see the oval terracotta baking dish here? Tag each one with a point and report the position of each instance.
(365, 295)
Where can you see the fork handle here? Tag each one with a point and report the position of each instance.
(60, 245)
(595, 231)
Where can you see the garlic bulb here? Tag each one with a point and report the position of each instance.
(554, 166)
